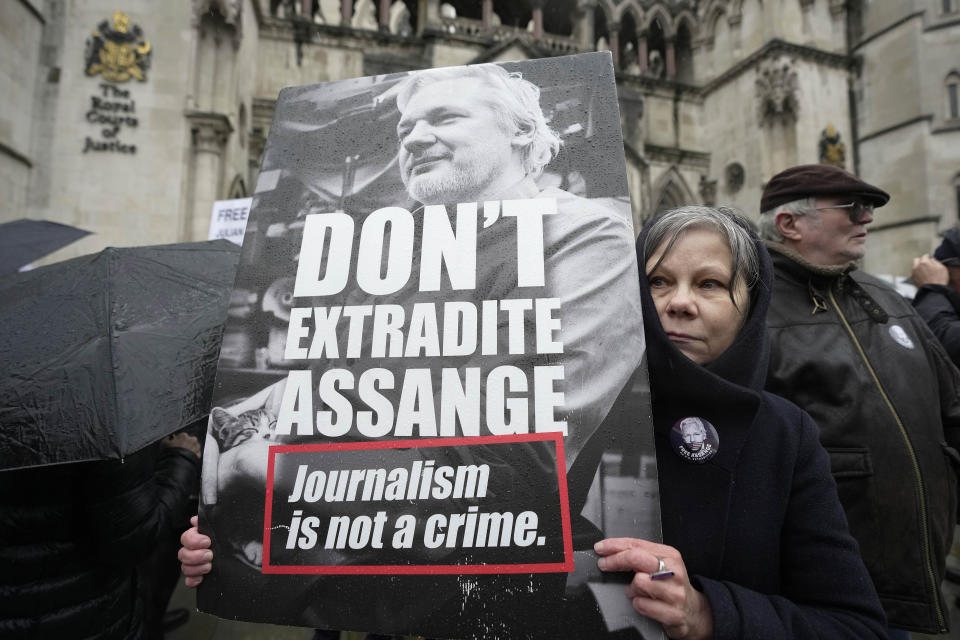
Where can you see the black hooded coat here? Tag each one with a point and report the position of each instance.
(939, 306)
(759, 526)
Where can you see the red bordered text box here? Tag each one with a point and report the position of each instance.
(387, 569)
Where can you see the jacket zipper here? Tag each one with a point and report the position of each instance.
(925, 533)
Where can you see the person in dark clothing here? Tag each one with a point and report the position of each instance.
(755, 540)
(161, 571)
(855, 355)
(72, 537)
(938, 292)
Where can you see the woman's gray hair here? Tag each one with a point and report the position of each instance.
(515, 101)
(768, 218)
(726, 221)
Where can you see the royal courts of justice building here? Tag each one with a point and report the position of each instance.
(129, 118)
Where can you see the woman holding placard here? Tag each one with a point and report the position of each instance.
(756, 542)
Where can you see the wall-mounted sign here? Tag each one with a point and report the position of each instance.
(118, 52)
(112, 109)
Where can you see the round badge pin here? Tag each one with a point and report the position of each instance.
(694, 439)
(900, 336)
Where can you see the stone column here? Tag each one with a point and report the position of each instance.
(838, 22)
(642, 53)
(205, 69)
(584, 30)
(209, 134)
(384, 16)
(486, 14)
(671, 61)
(305, 9)
(708, 191)
(614, 30)
(256, 145)
(537, 18)
(428, 13)
(193, 77)
(631, 114)
(346, 12)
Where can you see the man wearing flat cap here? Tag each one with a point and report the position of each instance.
(852, 352)
(938, 292)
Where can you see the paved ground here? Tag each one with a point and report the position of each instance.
(206, 627)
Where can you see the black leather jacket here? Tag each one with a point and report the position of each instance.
(72, 535)
(855, 355)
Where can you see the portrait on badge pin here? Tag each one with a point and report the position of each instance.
(694, 439)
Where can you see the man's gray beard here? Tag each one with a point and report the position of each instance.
(447, 188)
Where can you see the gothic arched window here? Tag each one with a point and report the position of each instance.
(683, 45)
(952, 86)
(956, 191)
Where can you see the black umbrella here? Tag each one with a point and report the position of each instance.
(103, 354)
(23, 241)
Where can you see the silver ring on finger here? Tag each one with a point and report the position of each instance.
(662, 573)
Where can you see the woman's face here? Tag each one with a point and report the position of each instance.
(691, 290)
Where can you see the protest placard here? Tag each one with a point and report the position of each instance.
(228, 219)
(431, 399)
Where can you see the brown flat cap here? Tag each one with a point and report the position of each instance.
(811, 180)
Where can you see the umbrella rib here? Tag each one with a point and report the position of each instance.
(120, 430)
(195, 278)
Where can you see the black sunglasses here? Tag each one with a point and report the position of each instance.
(855, 210)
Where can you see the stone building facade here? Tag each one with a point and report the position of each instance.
(129, 118)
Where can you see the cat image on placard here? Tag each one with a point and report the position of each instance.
(231, 430)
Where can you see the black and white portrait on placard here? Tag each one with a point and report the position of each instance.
(431, 398)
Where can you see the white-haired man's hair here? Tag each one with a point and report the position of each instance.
(516, 102)
(693, 422)
(768, 218)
